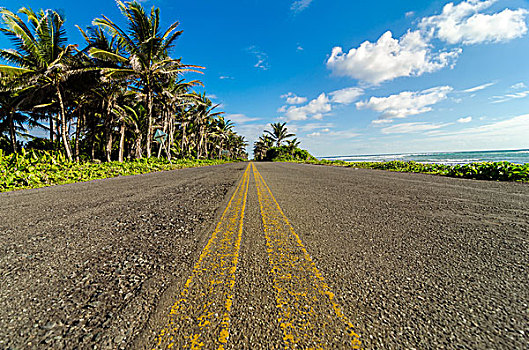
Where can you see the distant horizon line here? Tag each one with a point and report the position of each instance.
(423, 153)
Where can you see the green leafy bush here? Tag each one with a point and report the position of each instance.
(285, 153)
(498, 171)
(33, 169)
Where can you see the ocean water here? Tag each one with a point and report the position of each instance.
(513, 156)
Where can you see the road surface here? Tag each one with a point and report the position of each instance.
(269, 255)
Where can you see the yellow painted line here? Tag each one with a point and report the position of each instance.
(201, 316)
(308, 313)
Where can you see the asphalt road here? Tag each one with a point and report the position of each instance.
(280, 255)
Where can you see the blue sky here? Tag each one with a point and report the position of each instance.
(354, 77)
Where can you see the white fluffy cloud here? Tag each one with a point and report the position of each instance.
(347, 95)
(293, 99)
(390, 58)
(464, 120)
(413, 54)
(405, 103)
(314, 109)
(406, 128)
(321, 105)
(463, 24)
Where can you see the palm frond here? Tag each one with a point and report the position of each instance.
(9, 71)
(106, 55)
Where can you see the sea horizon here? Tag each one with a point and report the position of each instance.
(519, 156)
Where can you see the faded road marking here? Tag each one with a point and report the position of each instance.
(201, 316)
(308, 314)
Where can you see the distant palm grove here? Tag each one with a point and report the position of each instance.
(273, 145)
(120, 95)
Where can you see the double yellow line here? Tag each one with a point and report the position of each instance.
(307, 311)
(205, 302)
(308, 314)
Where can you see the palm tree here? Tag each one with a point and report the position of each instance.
(173, 98)
(135, 118)
(42, 57)
(116, 91)
(261, 146)
(237, 145)
(279, 133)
(146, 53)
(203, 116)
(292, 145)
(222, 130)
(107, 91)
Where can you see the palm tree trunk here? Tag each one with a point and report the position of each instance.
(52, 132)
(137, 142)
(77, 135)
(171, 138)
(121, 141)
(137, 146)
(57, 131)
(149, 126)
(198, 141)
(183, 145)
(12, 132)
(201, 141)
(205, 144)
(108, 132)
(108, 147)
(93, 139)
(64, 126)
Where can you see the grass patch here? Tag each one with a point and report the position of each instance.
(496, 171)
(34, 169)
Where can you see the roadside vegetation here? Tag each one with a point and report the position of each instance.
(118, 97)
(273, 145)
(498, 171)
(34, 169)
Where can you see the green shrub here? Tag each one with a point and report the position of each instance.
(285, 153)
(33, 169)
(498, 171)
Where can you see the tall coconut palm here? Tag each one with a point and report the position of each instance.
(135, 118)
(106, 91)
(292, 145)
(173, 98)
(41, 57)
(261, 146)
(146, 56)
(237, 145)
(203, 116)
(222, 130)
(279, 133)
